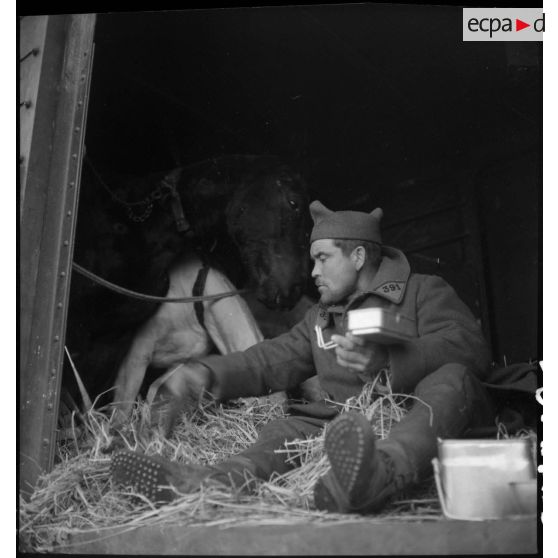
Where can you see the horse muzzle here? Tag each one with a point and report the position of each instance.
(275, 298)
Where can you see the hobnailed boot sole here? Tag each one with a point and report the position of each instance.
(154, 477)
(350, 444)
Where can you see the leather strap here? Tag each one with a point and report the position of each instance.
(197, 290)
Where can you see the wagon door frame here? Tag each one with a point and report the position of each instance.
(55, 62)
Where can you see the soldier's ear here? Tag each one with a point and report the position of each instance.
(358, 257)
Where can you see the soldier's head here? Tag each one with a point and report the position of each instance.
(346, 249)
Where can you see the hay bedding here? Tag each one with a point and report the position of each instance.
(77, 495)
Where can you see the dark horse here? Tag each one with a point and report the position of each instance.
(244, 215)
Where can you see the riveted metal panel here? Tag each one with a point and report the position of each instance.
(31, 48)
(48, 209)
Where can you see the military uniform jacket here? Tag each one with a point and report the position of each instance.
(446, 331)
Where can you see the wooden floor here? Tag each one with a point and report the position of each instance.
(446, 537)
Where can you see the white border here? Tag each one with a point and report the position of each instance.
(550, 295)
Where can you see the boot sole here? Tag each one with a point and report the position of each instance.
(149, 476)
(350, 447)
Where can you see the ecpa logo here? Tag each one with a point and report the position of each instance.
(508, 24)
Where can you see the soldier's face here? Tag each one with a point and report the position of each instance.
(334, 273)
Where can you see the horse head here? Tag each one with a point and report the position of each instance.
(267, 218)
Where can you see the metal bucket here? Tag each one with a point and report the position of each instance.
(474, 477)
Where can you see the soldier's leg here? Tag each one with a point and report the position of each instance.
(365, 473)
(260, 459)
(162, 480)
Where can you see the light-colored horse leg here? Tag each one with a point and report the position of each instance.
(131, 374)
(230, 323)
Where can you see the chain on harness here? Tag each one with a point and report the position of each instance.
(166, 188)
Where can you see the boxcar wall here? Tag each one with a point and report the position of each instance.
(445, 136)
(55, 54)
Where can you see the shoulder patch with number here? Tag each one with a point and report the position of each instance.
(323, 317)
(391, 289)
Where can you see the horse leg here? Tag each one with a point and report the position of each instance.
(132, 371)
(229, 322)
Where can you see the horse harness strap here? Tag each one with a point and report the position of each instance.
(169, 183)
(197, 290)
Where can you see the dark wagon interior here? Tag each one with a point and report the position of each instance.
(375, 105)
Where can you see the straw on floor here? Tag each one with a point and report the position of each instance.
(77, 495)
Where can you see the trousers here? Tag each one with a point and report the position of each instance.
(449, 401)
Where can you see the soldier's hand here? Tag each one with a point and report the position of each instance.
(181, 389)
(358, 354)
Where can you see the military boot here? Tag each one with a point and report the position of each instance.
(157, 478)
(162, 481)
(362, 477)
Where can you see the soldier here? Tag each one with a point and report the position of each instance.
(442, 365)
